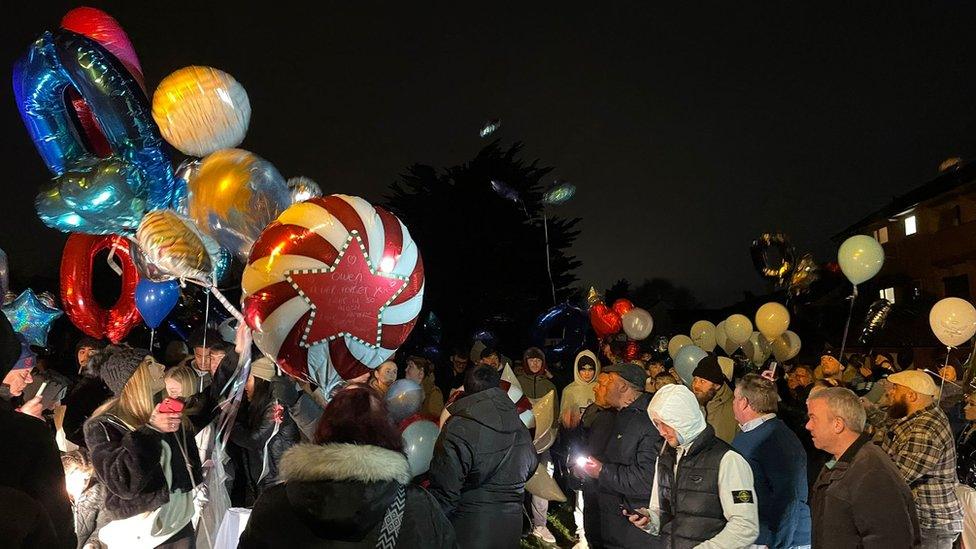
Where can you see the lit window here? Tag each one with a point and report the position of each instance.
(887, 293)
(881, 235)
(910, 227)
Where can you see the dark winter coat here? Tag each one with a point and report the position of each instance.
(127, 462)
(966, 456)
(628, 473)
(597, 428)
(30, 463)
(25, 522)
(336, 495)
(255, 441)
(863, 502)
(482, 459)
(779, 472)
(87, 395)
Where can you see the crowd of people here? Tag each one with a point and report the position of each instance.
(852, 451)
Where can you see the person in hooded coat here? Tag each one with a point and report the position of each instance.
(30, 466)
(577, 397)
(350, 489)
(703, 495)
(482, 460)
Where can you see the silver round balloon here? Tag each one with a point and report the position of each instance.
(418, 443)
(302, 189)
(404, 399)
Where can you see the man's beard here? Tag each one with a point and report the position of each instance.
(704, 398)
(898, 410)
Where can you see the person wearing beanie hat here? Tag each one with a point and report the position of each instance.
(703, 492)
(264, 432)
(30, 464)
(921, 445)
(833, 372)
(711, 388)
(143, 454)
(533, 376)
(624, 474)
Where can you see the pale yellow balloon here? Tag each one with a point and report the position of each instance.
(200, 110)
(738, 328)
(772, 319)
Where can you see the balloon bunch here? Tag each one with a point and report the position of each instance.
(776, 259)
(606, 321)
(81, 94)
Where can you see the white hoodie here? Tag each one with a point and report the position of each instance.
(677, 407)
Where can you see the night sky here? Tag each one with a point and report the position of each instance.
(687, 130)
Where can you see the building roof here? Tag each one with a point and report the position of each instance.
(951, 180)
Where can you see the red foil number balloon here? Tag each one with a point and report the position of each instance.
(76, 287)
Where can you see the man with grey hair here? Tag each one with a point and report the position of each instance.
(778, 461)
(860, 498)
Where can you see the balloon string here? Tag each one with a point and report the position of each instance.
(212, 288)
(111, 256)
(545, 226)
(942, 372)
(847, 325)
(152, 336)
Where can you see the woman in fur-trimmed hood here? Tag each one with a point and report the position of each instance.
(349, 489)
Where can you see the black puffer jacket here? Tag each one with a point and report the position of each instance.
(628, 473)
(482, 459)
(127, 462)
(253, 440)
(337, 495)
(90, 513)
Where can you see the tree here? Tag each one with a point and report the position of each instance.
(484, 255)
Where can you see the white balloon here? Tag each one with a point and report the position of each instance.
(860, 258)
(721, 338)
(738, 328)
(757, 348)
(772, 319)
(703, 335)
(637, 324)
(953, 321)
(676, 343)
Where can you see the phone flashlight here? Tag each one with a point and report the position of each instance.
(581, 460)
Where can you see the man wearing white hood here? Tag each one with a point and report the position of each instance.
(703, 493)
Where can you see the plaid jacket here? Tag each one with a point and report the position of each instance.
(922, 448)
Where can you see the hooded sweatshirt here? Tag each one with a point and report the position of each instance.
(677, 407)
(579, 394)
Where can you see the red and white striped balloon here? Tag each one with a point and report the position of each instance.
(332, 288)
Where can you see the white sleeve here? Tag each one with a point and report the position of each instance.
(738, 496)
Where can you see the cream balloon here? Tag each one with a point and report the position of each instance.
(676, 343)
(757, 349)
(953, 321)
(721, 338)
(703, 335)
(786, 346)
(727, 365)
(738, 328)
(860, 258)
(772, 319)
(637, 324)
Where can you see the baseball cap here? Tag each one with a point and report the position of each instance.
(632, 373)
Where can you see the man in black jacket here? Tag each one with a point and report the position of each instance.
(29, 459)
(626, 472)
(482, 459)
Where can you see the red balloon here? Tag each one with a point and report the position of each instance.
(622, 306)
(104, 29)
(605, 321)
(91, 133)
(76, 287)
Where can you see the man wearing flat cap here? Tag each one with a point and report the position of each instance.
(714, 395)
(626, 474)
(920, 443)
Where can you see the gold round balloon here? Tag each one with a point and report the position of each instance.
(170, 242)
(201, 109)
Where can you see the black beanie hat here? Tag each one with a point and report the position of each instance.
(708, 368)
(119, 367)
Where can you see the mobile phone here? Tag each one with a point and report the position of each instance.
(171, 406)
(40, 390)
(627, 510)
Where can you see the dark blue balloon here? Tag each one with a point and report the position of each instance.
(565, 323)
(155, 300)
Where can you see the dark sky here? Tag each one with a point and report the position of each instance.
(688, 130)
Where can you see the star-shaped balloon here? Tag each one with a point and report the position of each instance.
(31, 317)
(348, 298)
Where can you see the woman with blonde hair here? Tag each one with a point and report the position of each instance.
(181, 382)
(144, 456)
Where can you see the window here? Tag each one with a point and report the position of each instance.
(887, 293)
(881, 235)
(910, 226)
(956, 286)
